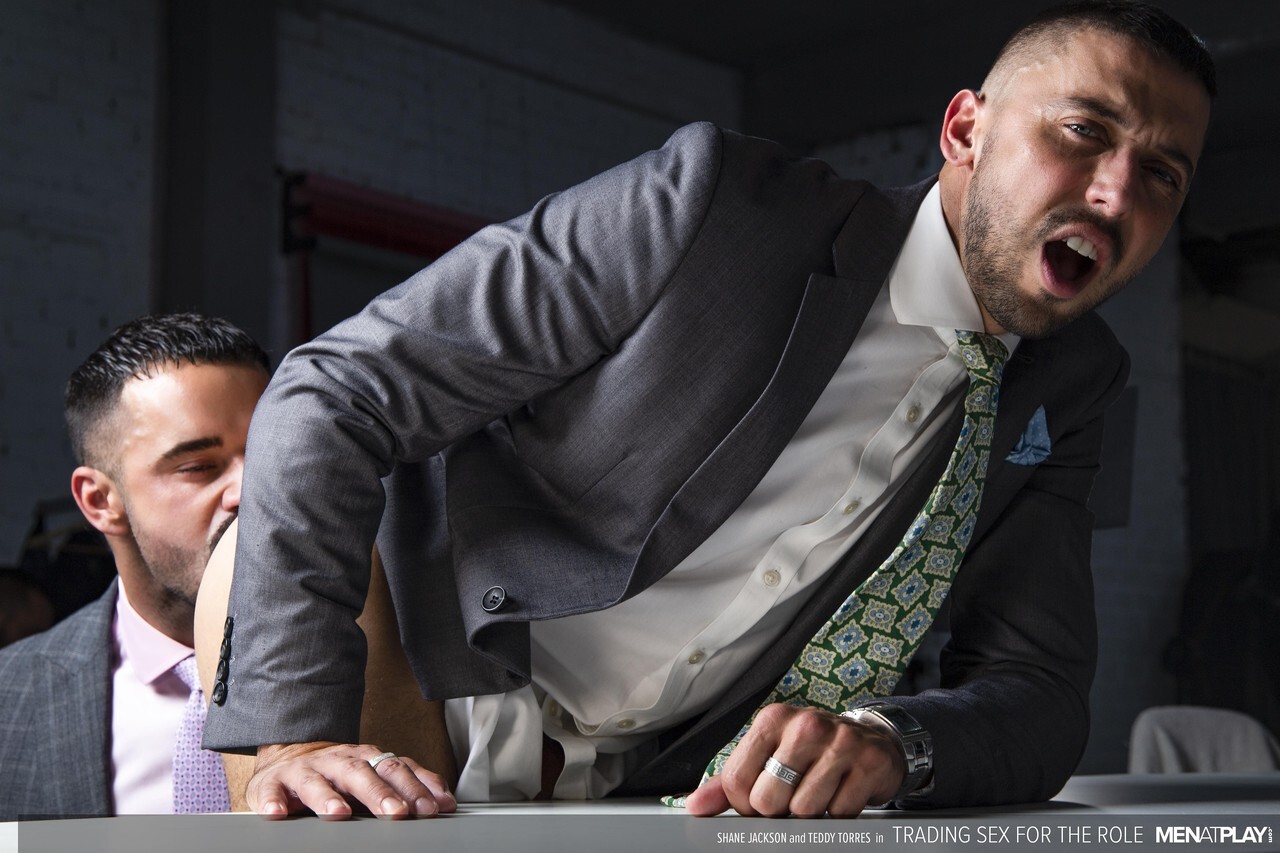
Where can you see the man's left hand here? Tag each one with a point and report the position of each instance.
(844, 767)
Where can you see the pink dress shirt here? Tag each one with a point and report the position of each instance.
(148, 699)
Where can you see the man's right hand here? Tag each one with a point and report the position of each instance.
(329, 778)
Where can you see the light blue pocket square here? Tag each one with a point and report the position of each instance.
(1034, 445)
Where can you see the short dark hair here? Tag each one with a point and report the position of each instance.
(1143, 23)
(135, 350)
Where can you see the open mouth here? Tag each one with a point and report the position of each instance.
(1069, 265)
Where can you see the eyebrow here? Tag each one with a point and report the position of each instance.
(193, 446)
(1104, 110)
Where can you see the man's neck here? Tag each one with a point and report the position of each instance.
(158, 607)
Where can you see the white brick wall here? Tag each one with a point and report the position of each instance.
(482, 106)
(77, 151)
(892, 157)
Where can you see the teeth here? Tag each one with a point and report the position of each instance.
(1083, 247)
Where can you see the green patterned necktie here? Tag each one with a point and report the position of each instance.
(863, 649)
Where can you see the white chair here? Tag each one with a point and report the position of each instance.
(1192, 739)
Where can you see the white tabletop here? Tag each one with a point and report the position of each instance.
(1183, 813)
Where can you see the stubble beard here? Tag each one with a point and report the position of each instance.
(993, 266)
(177, 570)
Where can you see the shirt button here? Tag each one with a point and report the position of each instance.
(773, 577)
(851, 507)
(913, 414)
(553, 708)
(626, 724)
(697, 658)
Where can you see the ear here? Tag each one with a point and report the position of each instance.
(959, 126)
(100, 500)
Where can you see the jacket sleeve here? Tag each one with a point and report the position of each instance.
(519, 309)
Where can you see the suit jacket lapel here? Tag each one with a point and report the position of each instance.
(830, 317)
(1027, 374)
(78, 691)
(872, 237)
(1021, 392)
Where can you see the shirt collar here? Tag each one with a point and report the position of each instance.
(151, 652)
(927, 285)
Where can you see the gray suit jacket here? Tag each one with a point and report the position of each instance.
(55, 713)
(569, 403)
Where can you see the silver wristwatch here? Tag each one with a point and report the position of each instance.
(916, 743)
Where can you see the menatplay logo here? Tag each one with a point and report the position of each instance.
(1213, 835)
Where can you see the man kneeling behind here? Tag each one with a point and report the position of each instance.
(95, 713)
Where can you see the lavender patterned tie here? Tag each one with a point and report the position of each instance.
(199, 782)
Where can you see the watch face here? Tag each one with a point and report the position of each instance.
(901, 720)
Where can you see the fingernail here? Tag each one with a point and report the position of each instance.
(393, 806)
(273, 808)
(424, 805)
(334, 806)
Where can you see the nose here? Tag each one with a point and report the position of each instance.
(1113, 185)
(231, 494)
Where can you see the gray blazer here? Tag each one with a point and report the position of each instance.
(55, 715)
(569, 403)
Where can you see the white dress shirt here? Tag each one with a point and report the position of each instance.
(606, 682)
(147, 702)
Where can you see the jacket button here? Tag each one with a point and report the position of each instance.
(494, 599)
(219, 693)
(226, 628)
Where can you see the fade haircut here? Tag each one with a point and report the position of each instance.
(134, 351)
(1151, 27)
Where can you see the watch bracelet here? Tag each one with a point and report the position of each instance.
(916, 747)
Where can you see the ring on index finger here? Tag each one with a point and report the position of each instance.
(378, 759)
(782, 772)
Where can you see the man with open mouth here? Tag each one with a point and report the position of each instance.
(674, 471)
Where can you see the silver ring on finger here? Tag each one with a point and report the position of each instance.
(782, 772)
(378, 759)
